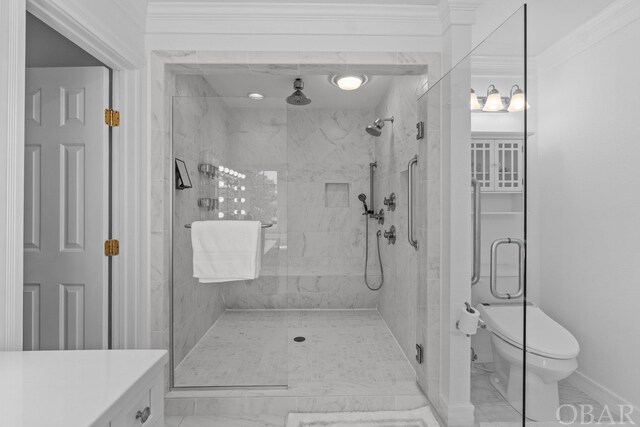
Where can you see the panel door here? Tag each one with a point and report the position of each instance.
(66, 202)
(508, 165)
(482, 163)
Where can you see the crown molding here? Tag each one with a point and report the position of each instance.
(501, 66)
(192, 17)
(611, 19)
(458, 12)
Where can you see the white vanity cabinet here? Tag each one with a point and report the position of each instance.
(497, 164)
(99, 388)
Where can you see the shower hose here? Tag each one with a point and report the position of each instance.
(366, 257)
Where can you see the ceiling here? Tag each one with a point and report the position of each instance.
(317, 87)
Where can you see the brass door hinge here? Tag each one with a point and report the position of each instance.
(111, 247)
(111, 117)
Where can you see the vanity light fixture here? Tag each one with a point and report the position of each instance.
(255, 96)
(473, 101)
(243, 212)
(494, 101)
(220, 215)
(517, 100)
(220, 199)
(349, 82)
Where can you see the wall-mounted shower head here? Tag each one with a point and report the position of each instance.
(363, 199)
(376, 128)
(298, 97)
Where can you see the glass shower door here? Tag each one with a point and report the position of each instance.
(232, 333)
(472, 233)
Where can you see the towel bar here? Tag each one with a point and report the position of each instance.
(261, 225)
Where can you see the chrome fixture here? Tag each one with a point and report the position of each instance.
(379, 217)
(255, 96)
(391, 235)
(372, 169)
(298, 97)
(376, 128)
(475, 278)
(208, 169)
(413, 242)
(349, 81)
(495, 103)
(390, 202)
(366, 258)
(494, 267)
(269, 225)
(363, 199)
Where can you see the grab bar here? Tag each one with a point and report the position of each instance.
(475, 278)
(413, 242)
(494, 267)
(261, 225)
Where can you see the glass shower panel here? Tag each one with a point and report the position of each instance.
(469, 149)
(235, 153)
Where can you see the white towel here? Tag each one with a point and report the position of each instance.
(226, 251)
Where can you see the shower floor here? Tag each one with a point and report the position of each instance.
(344, 352)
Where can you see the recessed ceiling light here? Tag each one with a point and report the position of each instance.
(255, 96)
(349, 82)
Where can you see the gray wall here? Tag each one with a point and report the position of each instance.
(45, 47)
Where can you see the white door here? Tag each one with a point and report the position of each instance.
(66, 203)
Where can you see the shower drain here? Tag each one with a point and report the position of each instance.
(299, 339)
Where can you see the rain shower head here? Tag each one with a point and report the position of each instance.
(298, 97)
(376, 128)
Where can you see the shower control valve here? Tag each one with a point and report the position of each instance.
(378, 216)
(391, 235)
(390, 202)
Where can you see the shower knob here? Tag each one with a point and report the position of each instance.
(391, 235)
(390, 202)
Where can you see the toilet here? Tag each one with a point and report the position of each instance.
(551, 357)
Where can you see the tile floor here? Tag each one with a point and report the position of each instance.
(349, 361)
(342, 349)
(491, 407)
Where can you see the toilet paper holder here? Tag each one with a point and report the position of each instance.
(474, 315)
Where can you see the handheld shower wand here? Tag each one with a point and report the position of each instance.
(363, 199)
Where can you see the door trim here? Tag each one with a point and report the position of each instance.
(130, 274)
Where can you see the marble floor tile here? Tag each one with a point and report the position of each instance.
(345, 352)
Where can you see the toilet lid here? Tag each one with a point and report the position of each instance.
(545, 337)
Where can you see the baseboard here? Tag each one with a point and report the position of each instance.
(456, 415)
(601, 394)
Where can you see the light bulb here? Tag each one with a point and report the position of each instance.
(473, 101)
(235, 188)
(243, 176)
(235, 211)
(517, 101)
(242, 200)
(235, 173)
(220, 214)
(242, 188)
(235, 200)
(221, 184)
(243, 212)
(221, 168)
(221, 199)
(494, 101)
(226, 170)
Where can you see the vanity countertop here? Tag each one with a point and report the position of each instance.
(70, 388)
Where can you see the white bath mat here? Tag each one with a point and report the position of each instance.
(421, 417)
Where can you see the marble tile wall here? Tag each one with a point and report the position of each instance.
(200, 134)
(317, 256)
(394, 148)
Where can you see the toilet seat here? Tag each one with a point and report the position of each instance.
(545, 337)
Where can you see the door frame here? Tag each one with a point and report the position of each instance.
(130, 170)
